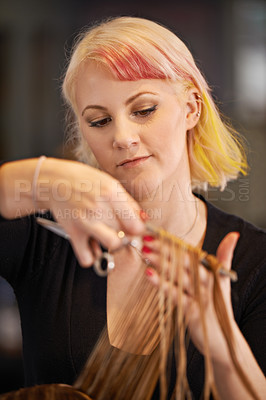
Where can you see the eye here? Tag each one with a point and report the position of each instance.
(100, 123)
(146, 111)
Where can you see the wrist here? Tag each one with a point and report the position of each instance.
(54, 184)
(43, 182)
(38, 199)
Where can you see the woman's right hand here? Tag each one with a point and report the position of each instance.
(88, 203)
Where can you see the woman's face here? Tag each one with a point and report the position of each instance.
(136, 129)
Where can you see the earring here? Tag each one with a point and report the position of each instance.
(199, 99)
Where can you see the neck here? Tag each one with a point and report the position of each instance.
(178, 211)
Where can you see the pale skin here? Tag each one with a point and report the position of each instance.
(137, 132)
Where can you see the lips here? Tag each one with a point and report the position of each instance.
(130, 162)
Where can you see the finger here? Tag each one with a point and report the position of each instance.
(98, 230)
(190, 275)
(226, 249)
(106, 235)
(152, 242)
(148, 254)
(95, 247)
(169, 289)
(82, 250)
(151, 250)
(156, 280)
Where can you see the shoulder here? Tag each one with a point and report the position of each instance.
(249, 258)
(252, 240)
(250, 253)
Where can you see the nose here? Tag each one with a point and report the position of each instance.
(125, 136)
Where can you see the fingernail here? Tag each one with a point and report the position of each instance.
(146, 249)
(237, 234)
(143, 215)
(149, 272)
(148, 238)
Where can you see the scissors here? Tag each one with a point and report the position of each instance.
(105, 264)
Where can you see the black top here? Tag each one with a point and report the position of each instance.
(63, 306)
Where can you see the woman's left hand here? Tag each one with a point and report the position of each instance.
(217, 344)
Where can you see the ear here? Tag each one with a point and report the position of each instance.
(193, 108)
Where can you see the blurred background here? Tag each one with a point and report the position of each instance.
(228, 41)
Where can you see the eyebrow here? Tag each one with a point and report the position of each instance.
(128, 101)
(93, 107)
(134, 97)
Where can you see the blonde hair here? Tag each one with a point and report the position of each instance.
(137, 48)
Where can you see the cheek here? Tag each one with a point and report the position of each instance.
(92, 145)
(101, 151)
(95, 143)
(171, 134)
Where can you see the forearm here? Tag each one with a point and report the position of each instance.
(229, 385)
(16, 188)
(75, 194)
(31, 185)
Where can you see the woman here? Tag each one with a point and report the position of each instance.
(142, 111)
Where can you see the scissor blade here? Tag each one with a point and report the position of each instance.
(53, 227)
